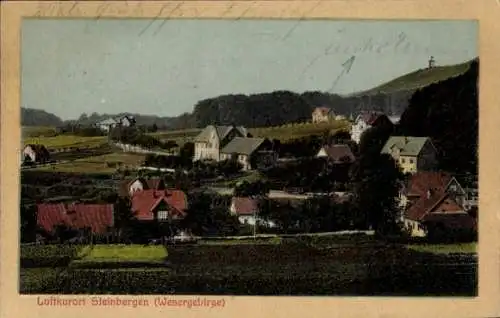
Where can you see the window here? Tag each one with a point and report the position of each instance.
(403, 160)
(162, 215)
(411, 161)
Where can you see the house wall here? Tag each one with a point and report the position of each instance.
(244, 160)
(322, 153)
(358, 129)
(28, 152)
(250, 220)
(402, 204)
(136, 186)
(427, 158)
(407, 163)
(125, 122)
(457, 192)
(415, 228)
(211, 149)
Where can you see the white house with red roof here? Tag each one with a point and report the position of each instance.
(247, 210)
(366, 120)
(159, 205)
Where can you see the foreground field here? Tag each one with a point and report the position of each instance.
(124, 253)
(464, 248)
(276, 267)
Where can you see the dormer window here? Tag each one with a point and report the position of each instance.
(162, 215)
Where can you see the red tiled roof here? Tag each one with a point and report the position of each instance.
(423, 181)
(245, 205)
(50, 215)
(370, 117)
(338, 152)
(440, 207)
(96, 216)
(154, 183)
(144, 202)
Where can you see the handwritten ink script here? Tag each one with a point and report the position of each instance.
(59, 9)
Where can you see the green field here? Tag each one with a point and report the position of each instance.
(124, 253)
(355, 265)
(460, 248)
(298, 130)
(282, 133)
(67, 141)
(38, 131)
(97, 164)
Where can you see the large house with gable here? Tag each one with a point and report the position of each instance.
(250, 152)
(209, 143)
(434, 200)
(412, 154)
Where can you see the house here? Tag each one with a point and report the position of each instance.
(250, 152)
(96, 217)
(110, 123)
(35, 153)
(434, 200)
(366, 120)
(209, 143)
(126, 121)
(412, 153)
(247, 210)
(322, 114)
(129, 187)
(159, 205)
(107, 124)
(337, 154)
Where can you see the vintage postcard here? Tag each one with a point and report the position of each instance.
(184, 155)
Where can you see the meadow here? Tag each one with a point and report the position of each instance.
(94, 155)
(67, 141)
(107, 163)
(282, 133)
(323, 266)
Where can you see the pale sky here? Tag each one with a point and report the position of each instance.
(122, 65)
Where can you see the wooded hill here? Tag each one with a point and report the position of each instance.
(278, 107)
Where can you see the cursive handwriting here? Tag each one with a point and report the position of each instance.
(63, 9)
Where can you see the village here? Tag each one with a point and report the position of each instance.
(428, 199)
(270, 193)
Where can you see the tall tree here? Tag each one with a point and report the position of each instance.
(375, 180)
(447, 112)
(123, 217)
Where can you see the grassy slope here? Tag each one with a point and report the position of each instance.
(66, 141)
(419, 79)
(283, 133)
